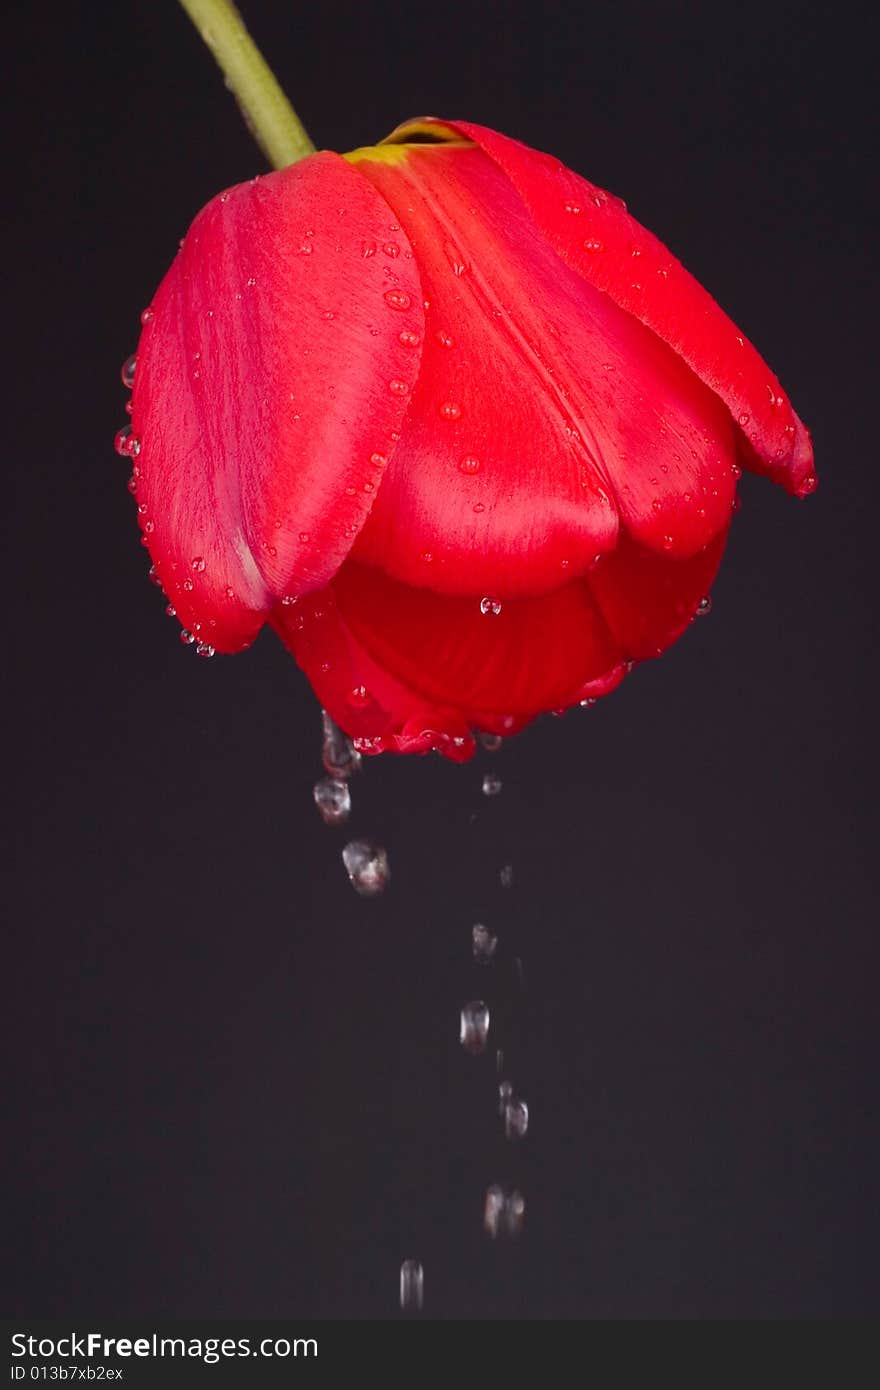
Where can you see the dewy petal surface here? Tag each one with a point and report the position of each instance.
(543, 411)
(646, 599)
(273, 376)
(593, 232)
(382, 654)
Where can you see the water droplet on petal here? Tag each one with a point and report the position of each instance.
(147, 315)
(397, 299)
(408, 338)
(412, 1285)
(398, 388)
(171, 610)
(333, 800)
(198, 564)
(573, 208)
(378, 460)
(186, 637)
(445, 339)
(491, 742)
(594, 245)
(126, 444)
(367, 867)
(391, 249)
(449, 410)
(204, 649)
(474, 1026)
(704, 607)
(469, 465)
(128, 370)
(490, 606)
(503, 1212)
(492, 784)
(483, 943)
(456, 260)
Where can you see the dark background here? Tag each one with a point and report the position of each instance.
(235, 1088)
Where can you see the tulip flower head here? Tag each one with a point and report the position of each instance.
(456, 426)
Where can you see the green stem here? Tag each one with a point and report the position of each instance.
(268, 114)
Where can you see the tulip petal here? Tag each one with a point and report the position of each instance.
(272, 380)
(648, 600)
(542, 409)
(594, 234)
(385, 657)
(379, 711)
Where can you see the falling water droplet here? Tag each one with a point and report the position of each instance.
(483, 943)
(490, 606)
(506, 876)
(333, 800)
(503, 1212)
(492, 784)
(367, 867)
(412, 1285)
(704, 607)
(474, 1028)
(128, 371)
(339, 756)
(516, 1117)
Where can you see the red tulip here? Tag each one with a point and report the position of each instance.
(449, 419)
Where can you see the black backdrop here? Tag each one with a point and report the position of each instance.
(234, 1088)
